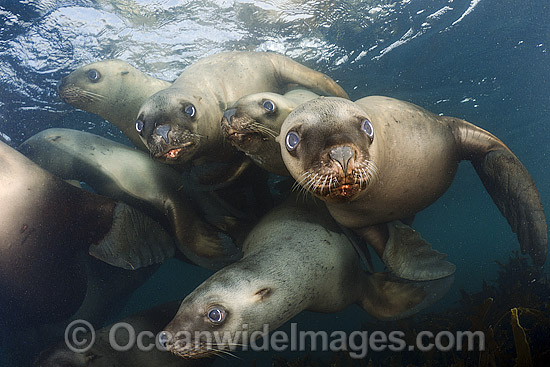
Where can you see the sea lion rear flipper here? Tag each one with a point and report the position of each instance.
(134, 241)
(389, 298)
(509, 184)
(409, 256)
(515, 194)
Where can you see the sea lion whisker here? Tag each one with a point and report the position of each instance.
(311, 183)
(325, 182)
(92, 94)
(262, 128)
(317, 186)
(224, 352)
(300, 181)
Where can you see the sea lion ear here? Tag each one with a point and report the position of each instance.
(263, 294)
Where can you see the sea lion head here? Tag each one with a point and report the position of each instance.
(92, 86)
(329, 145)
(230, 306)
(254, 120)
(170, 124)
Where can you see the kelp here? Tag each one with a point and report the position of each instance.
(523, 351)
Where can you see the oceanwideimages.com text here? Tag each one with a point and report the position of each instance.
(81, 337)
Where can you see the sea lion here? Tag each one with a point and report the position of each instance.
(295, 259)
(112, 89)
(379, 160)
(123, 173)
(182, 123)
(103, 354)
(253, 122)
(44, 223)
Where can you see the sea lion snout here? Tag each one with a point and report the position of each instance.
(342, 154)
(163, 131)
(228, 116)
(60, 85)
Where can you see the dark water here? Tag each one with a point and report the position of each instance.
(485, 61)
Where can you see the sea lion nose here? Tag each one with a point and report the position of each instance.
(164, 339)
(228, 114)
(163, 131)
(60, 84)
(342, 154)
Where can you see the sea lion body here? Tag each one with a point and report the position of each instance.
(44, 223)
(379, 160)
(253, 122)
(112, 89)
(182, 123)
(295, 259)
(103, 354)
(123, 173)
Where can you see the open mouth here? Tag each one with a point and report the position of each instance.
(176, 153)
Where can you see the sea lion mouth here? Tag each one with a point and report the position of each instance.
(181, 147)
(176, 153)
(242, 134)
(344, 191)
(331, 184)
(244, 127)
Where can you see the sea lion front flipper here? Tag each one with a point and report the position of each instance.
(292, 72)
(510, 185)
(389, 298)
(214, 176)
(134, 240)
(409, 256)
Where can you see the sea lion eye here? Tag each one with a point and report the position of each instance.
(139, 126)
(190, 110)
(216, 315)
(292, 140)
(94, 75)
(269, 105)
(366, 126)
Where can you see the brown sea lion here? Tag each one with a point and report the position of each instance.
(44, 223)
(123, 173)
(182, 123)
(253, 122)
(112, 89)
(379, 160)
(295, 259)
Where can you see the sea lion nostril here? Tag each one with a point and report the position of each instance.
(342, 155)
(228, 114)
(163, 131)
